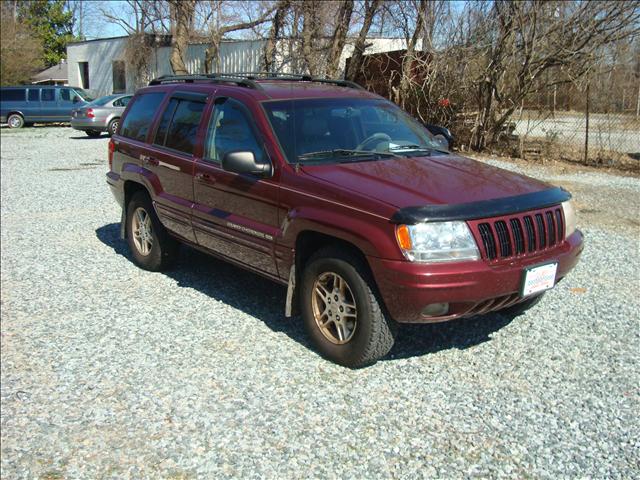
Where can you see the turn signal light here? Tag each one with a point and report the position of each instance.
(403, 236)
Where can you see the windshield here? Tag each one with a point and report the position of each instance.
(103, 100)
(88, 97)
(346, 129)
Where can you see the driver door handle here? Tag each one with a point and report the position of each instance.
(204, 177)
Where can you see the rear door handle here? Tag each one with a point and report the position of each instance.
(204, 177)
(147, 160)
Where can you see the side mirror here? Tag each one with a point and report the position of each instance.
(245, 162)
(442, 141)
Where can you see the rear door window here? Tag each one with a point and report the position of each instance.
(12, 95)
(34, 94)
(139, 118)
(48, 95)
(179, 124)
(121, 102)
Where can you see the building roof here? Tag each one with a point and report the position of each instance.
(55, 73)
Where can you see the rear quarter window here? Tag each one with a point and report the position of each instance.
(138, 120)
(12, 95)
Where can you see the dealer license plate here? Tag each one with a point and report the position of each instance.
(538, 279)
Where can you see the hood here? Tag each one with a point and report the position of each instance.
(437, 180)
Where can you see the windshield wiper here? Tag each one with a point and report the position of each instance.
(342, 152)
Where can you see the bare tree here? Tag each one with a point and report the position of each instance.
(182, 17)
(339, 37)
(277, 26)
(20, 51)
(355, 63)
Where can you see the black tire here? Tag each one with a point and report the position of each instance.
(113, 126)
(520, 308)
(15, 120)
(163, 249)
(374, 332)
(93, 133)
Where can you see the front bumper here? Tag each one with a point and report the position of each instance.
(470, 288)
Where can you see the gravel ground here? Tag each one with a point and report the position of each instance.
(112, 372)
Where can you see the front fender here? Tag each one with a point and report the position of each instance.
(373, 235)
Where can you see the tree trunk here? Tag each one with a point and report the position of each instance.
(182, 13)
(309, 35)
(339, 37)
(357, 59)
(274, 33)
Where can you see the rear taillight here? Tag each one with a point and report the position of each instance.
(90, 113)
(112, 148)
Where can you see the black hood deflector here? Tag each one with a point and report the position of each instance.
(482, 209)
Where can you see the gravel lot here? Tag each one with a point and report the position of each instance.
(110, 372)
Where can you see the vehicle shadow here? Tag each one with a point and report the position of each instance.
(265, 300)
(87, 137)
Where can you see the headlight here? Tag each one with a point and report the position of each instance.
(437, 242)
(569, 218)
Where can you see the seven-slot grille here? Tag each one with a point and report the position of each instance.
(521, 234)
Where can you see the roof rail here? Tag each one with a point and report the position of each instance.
(210, 78)
(247, 79)
(290, 77)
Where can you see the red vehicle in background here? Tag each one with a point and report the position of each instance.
(340, 195)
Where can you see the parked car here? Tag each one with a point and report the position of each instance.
(100, 115)
(442, 135)
(25, 105)
(340, 195)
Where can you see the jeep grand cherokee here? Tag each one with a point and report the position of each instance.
(340, 195)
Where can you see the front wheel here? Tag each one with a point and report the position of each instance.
(152, 247)
(341, 311)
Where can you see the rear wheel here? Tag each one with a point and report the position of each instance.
(93, 133)
(113, 126)
(15, 120)
(152, 247)
(341, 311)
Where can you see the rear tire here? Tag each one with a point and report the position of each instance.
(151, 246)
(93, 133)
(342, 315)
(113, 127)
(15, 120)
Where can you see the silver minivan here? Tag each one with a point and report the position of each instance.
(27, 104)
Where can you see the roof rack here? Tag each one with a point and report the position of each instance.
(210, 78)
(247, 79)
(295, 77)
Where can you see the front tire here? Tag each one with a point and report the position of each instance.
(15, 121)
(342, 315)
(152, 247)
(93, 133)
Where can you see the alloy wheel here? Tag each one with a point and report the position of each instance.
(334, 308)
(142, 231)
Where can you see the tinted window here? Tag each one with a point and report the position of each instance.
(122, 102)
(34, 95)
(163, 128)
(12, 95)
(230, 129)
(103, 100)
(68, 95)
(48, 95)
(137, 122)
(184, 126)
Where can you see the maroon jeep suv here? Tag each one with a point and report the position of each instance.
(340, 195)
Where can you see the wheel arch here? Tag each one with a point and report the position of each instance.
(130, 188)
